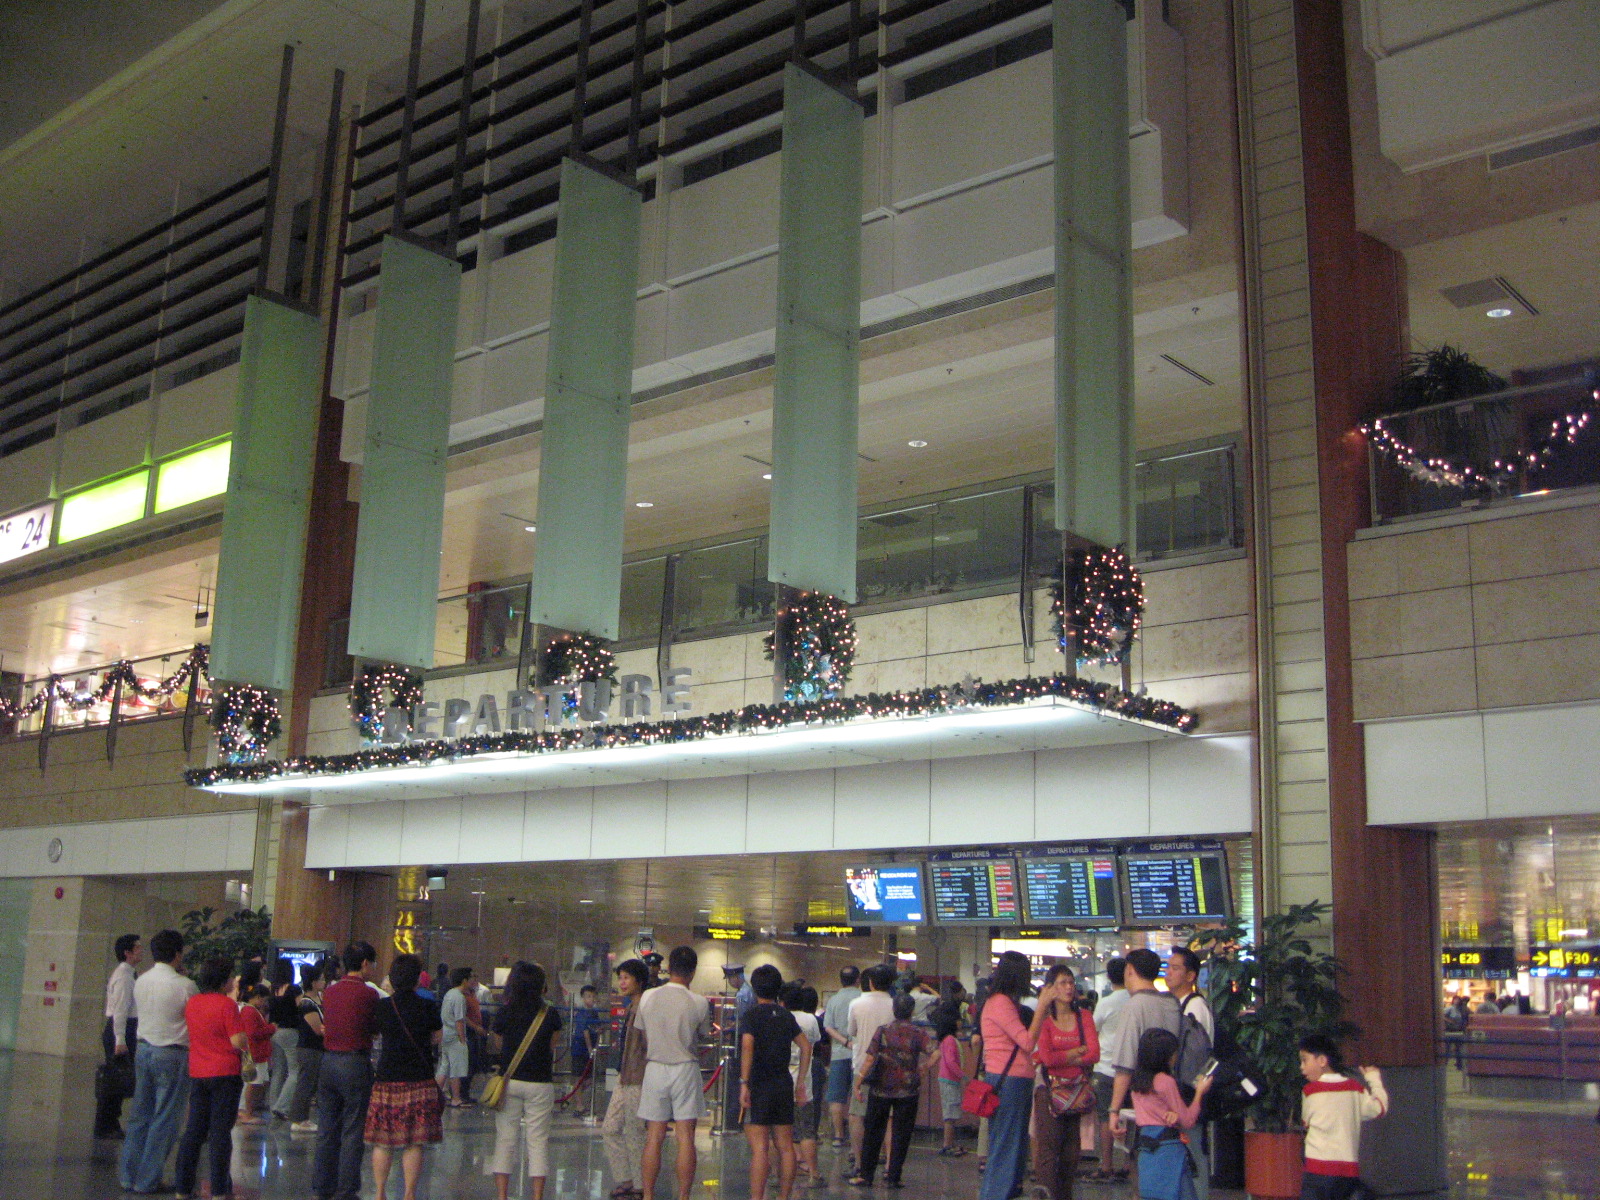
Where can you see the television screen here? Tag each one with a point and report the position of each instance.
(1176, 886)
(884, 894)
(974, 890)
(1075, 889)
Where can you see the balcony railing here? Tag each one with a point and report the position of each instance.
(944, 548)
(80, 713)
(1525, 441)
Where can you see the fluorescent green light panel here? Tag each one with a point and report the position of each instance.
(96, 509)
(583, 456)
(1094, 273)
(253, 634)
(190, 477)
(816, 390)
(401, 526)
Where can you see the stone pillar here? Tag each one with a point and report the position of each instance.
(1325, 313)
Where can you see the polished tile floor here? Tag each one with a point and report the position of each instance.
(46, 1151)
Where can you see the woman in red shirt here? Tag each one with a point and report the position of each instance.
(1065, 1046)
(216, 1041)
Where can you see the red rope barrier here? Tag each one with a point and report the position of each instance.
(712, 1082)
(588, 1069)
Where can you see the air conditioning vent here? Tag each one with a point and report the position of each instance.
(1488, 293)
(1499, 160)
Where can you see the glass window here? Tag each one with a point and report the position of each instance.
(894, 555)
(1186, 503)
(642, 585)
(723, 585)
(977, 541)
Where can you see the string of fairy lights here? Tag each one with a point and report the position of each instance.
(121, 672)
(752, 720)
(1442, 471)
(1097, 606)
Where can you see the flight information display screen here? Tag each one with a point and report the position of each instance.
(975, 891)
(1176, 887)
(1079, 889)
(884, 894)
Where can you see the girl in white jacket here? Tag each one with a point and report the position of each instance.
(1333, 1105)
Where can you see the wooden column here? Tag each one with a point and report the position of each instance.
(1383, 880)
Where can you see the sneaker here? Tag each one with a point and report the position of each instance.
(303, 1127)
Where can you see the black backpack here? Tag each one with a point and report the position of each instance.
(1235, 1082)
(1194, 1048)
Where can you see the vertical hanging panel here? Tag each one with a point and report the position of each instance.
(269, 494)
(816, 391)
(400, 528)
(583, 457)
(1094, 273)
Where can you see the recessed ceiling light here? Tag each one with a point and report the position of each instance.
(530, 528)
(766, 475)
(585, 901)
(916, 443)
(644, 504)
(1497, 313)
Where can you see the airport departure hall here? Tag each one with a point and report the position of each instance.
(829, 483)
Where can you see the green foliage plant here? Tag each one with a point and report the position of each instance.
(1271, 992)
(239, 936)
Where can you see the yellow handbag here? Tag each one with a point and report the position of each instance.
(494, 1091)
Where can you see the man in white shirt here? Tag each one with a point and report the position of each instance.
(120, 1033)
(1183, 976)
(161, 1065)
(869, 1012)
(673, 1020)
(1107, 1021)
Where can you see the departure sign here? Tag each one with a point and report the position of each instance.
(1077, 890)
(1565, 962)
(24, 532)
(975, 890)
(1167, 887)
(1479, 962)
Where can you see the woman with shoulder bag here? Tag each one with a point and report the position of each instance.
(1008, 1070)
(404, 1111)
(1065, 1047)
(526, 1026)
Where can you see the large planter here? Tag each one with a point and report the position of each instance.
(1273, 1164)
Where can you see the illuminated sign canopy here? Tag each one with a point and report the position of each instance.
(1038, 713)
(102, 507)
(197, 475)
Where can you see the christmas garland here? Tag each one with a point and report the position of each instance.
(1097, 604)
(819, 641)
(246, 720)
(118, 672)
(366, 696)
(755, 718)
(1440, 471)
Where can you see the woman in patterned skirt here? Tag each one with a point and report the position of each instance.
(403, 1113)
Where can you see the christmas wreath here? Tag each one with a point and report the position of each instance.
(366, 696)
(818, 641)
(246, 721)
(1097, 602)
(576, 658)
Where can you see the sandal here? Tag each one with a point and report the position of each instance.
(860, 1181)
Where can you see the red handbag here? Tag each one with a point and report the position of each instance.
(979, 1097)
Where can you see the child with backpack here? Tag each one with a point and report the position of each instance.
(1166, 1171)
(1333, 1105)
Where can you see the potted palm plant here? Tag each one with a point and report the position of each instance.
(1267, 994)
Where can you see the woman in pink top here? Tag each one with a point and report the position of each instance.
(1065, 1046)
(1161, 1116)
(1008, 1066)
